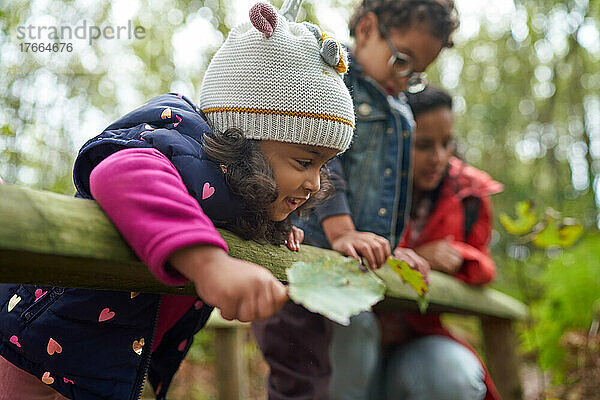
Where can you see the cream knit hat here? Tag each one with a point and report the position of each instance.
(280, 80)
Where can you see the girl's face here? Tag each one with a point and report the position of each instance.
(373, 52)
(434, 144)
(296, 168)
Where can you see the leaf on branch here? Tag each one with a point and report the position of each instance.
(524, 222)
(557, 234)
(414, 278)
(409, 275)
(337, 290)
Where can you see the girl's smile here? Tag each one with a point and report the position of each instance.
(295, 202)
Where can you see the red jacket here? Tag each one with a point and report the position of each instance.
(448, 218)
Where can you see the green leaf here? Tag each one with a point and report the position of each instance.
(422, 303)
(524, 222)
(337, 290)
(409, 275)
(555, 235)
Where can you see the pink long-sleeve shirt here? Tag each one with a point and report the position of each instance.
(144, 196)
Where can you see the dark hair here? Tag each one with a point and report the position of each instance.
(441, 16)
(249, 176)
(427, 100)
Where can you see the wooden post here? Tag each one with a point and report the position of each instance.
(231, 374)
(502, 359)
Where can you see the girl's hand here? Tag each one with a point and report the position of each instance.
(241, 290)
(294, 239)
(441, 255)
(417, 262)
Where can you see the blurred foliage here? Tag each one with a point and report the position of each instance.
(571, 284)
(526, 83)
(202, 349)
(524, 221)
(560, 283)
(551, 232)
(525, 76)
(528, 108)
(50, 103)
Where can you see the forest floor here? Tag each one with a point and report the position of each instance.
(195, 379)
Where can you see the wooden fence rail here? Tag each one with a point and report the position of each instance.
(55, 240)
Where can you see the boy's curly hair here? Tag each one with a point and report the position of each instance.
(250, 177)
(440, 15)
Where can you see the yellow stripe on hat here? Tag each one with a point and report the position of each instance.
(278, 112)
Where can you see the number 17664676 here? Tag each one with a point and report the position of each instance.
(46, 47)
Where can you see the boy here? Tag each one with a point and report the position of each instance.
(395, 41)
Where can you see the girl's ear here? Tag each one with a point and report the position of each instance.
(366, 27)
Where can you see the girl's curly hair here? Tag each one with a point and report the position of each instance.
(440, 15)
(249, 176)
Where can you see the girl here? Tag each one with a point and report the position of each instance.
(395, 41)
(450, 227)
(274, 110)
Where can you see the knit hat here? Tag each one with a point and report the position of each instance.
(280, 80)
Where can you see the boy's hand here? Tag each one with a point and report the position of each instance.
(374, 248)
(240, 289)
(441, 255)
(413, 259)
(294, 239)
(344, 237)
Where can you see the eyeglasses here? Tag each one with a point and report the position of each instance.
(402, 65)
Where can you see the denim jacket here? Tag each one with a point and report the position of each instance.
(372, 179)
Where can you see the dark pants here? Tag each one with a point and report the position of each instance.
(295, 344)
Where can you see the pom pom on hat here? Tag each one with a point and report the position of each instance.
(280, 80)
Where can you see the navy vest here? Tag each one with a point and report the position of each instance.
(106, 336)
